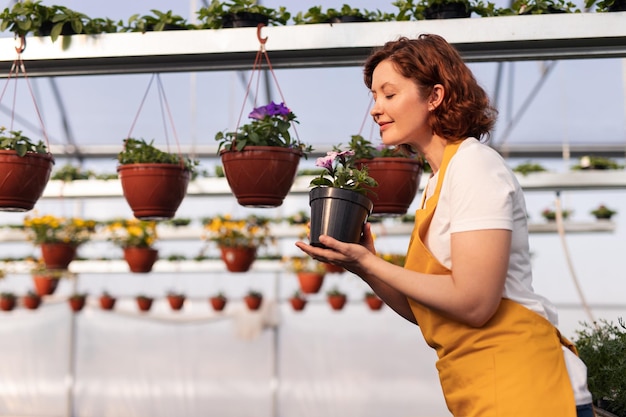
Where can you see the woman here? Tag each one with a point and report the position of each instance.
(467, 279)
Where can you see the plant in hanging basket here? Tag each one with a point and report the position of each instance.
(25, 168)
(261, 158)
(297, 301)
(310, 273)
(58, 237)
(238, 239)
(339, 207)
(550, 215)
(607, 5)
(336, 298)
(154, 182)
(218, 301)
(31, 300)
(107, 301)
(7, 301)
(602, 212)
(346, 14)
(47, 280)
(591, 162)
(176, 300)
(136, 238)
(373, 301)
(240, 13)
(396, 170)
(155, 22)
(77, 301)
(253, 300)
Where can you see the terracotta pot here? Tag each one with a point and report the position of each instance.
(297, 303)
(23, 179)
(238, 259)
(310, 282)
(339, 213)
(398, 181)
(140, 260)
(243, 20)
(31, 301)
(77, 303)
(218, 303)
(253, 303)
(337, 302)
(107, 302)
(45, 285)
(154, 191)
(144, 303)
(333, 269)
(176, 301)
(261, 176)
(58, 255)
(7, 303)
(373, 302)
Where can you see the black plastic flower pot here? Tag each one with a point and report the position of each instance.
(338, 213)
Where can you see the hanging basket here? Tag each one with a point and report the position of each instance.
(373, 302)
(77, 303)
(238, 259)
(144, 303)
(337, 302)
(7, 302)
(310, 282)
(31, 301)
(398, 181)
(261, 176)
(107, 302)
(154, 191)
(57, 255)
(218, 303)
(45, 285)
(140, 260)
(176, 302)
(23, 179)
(253, 302)
(297, 303)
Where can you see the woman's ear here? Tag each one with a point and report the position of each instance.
(436, 97)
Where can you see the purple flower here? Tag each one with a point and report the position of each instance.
(326, 162)
(271, 109)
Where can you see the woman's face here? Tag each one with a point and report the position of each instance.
(399, 109)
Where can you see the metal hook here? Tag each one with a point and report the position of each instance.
(258, 34)
(19, 48)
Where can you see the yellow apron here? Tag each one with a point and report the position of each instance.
(512, 366)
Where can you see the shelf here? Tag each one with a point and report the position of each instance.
(487, 39)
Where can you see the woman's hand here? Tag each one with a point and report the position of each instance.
(347, 255)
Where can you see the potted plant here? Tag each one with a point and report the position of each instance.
(176, 300)
(20, 159)
(297, 301)
(607, 5)
(247, 152)
(336, 298)
(31, 300)
(154, 182)
(58, 237)
(602, 212)
(46, 280)
(7, 301)
(528, 167)
(107, 301)
(602, 347)
(339, 207)
(317, 14)
(218, 301)
(238, 239)
(155, 22)
(77, 301)
(373, 301)
(532, 7)
(310, 273)
(240, 13)
(253, 300)
(144, 303)
(396, 170)
(136, 238)
(590, 162)
(444, 9)
(550, 215)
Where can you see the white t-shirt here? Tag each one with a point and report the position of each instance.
(487, 195)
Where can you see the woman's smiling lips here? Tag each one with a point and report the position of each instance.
(384, 125)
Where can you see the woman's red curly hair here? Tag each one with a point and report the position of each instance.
(428, 60)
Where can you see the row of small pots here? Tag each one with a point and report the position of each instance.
(77, 302)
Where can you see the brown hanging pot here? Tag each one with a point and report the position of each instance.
(107, 302)
(23, 179)
(398, 181)
(57, 255)
(337, 302)
(77, 302)
(154, 191)
(144, 303)
(176, 301)
(45, 285)
(373, 302)
(297, 303)
(253, 302)
(310, 282)
(261, 176)
(238, 259)
(7, 302)
(218, 303)
(140, 260)
(31, 301)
